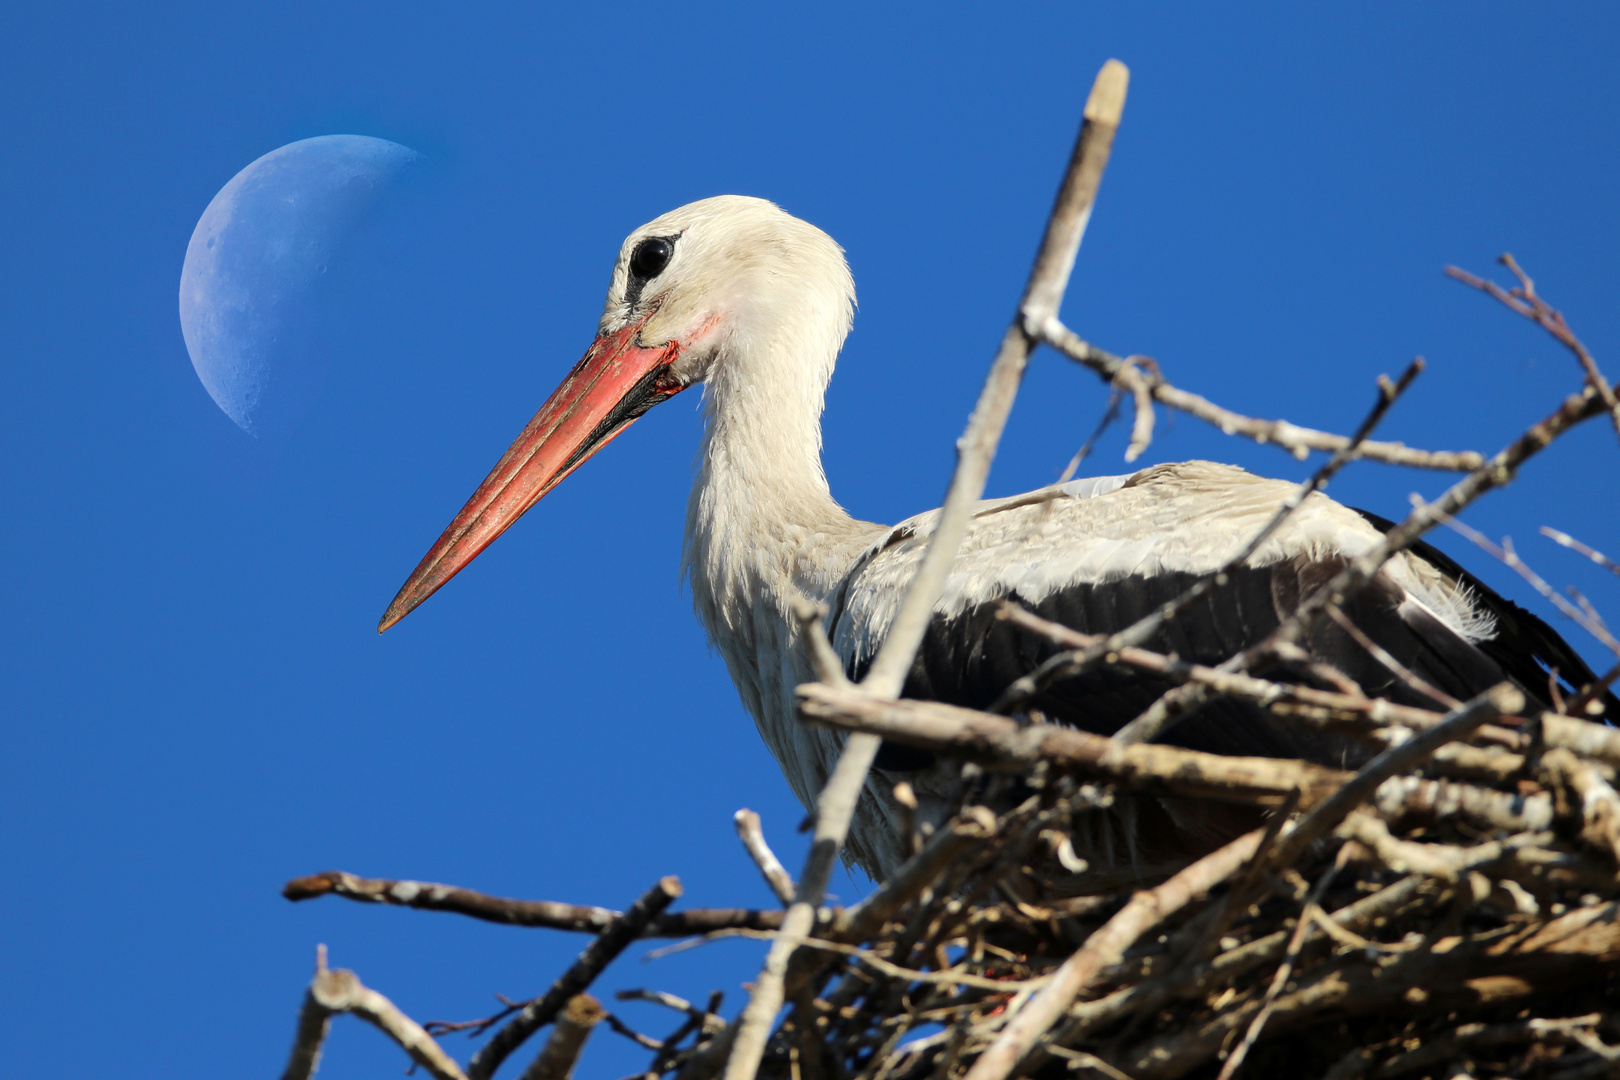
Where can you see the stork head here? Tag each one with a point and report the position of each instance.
(731, 290)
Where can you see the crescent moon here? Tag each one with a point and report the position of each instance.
(255, 262)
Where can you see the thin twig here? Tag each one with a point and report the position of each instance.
(1264, 692)
(1390, 664)
(1505, 553)
(1298, 441)
(1110, 414)
(619, 1027)
(545, 914)
(597, 955)
(557, 1058)
(1524, 301)
(335, 990)
(705, 1021)
(1296, 941)
(823, 658)
(945, 977)
(1142, 401)
(770, 867)
(705, 1016)
(1573, 544)
(475, 1028)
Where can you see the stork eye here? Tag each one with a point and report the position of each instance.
(650, 257)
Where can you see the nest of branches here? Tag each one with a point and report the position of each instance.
(1453, 906)
(1449, 908)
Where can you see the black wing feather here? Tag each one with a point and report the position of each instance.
(1524, 646)
(969, 659)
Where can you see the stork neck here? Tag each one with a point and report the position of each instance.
(761, 497)
(759, 467)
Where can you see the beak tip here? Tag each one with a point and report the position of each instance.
(396, 611)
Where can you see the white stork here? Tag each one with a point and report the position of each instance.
(736, 294)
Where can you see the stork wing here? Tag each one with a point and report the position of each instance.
(1099, 555)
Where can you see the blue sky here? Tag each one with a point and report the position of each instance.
(195, 705)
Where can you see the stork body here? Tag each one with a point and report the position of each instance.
(755, 304)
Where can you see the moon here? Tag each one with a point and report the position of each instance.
(255, 264)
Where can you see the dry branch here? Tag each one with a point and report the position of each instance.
(1523, 300)
(597, 955)
(770, 867)
(339, 990)
(1298, 441)
(546, 914)
(1599, 803)
(1323, 704)
(999, 743)
(557, 1058)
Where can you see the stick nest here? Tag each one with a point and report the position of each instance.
(1472, 929)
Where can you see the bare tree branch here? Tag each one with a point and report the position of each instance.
(597, 955)
(1264, 692)
(770, 867)
(1573, 544)
(1298, 441)
(557, 1058)
(314, 1021)
(1523, 300)
(1505, 553)
(546, 914)
(1000, 743)
(339, 990)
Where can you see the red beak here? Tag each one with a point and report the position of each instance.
(614, 383)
